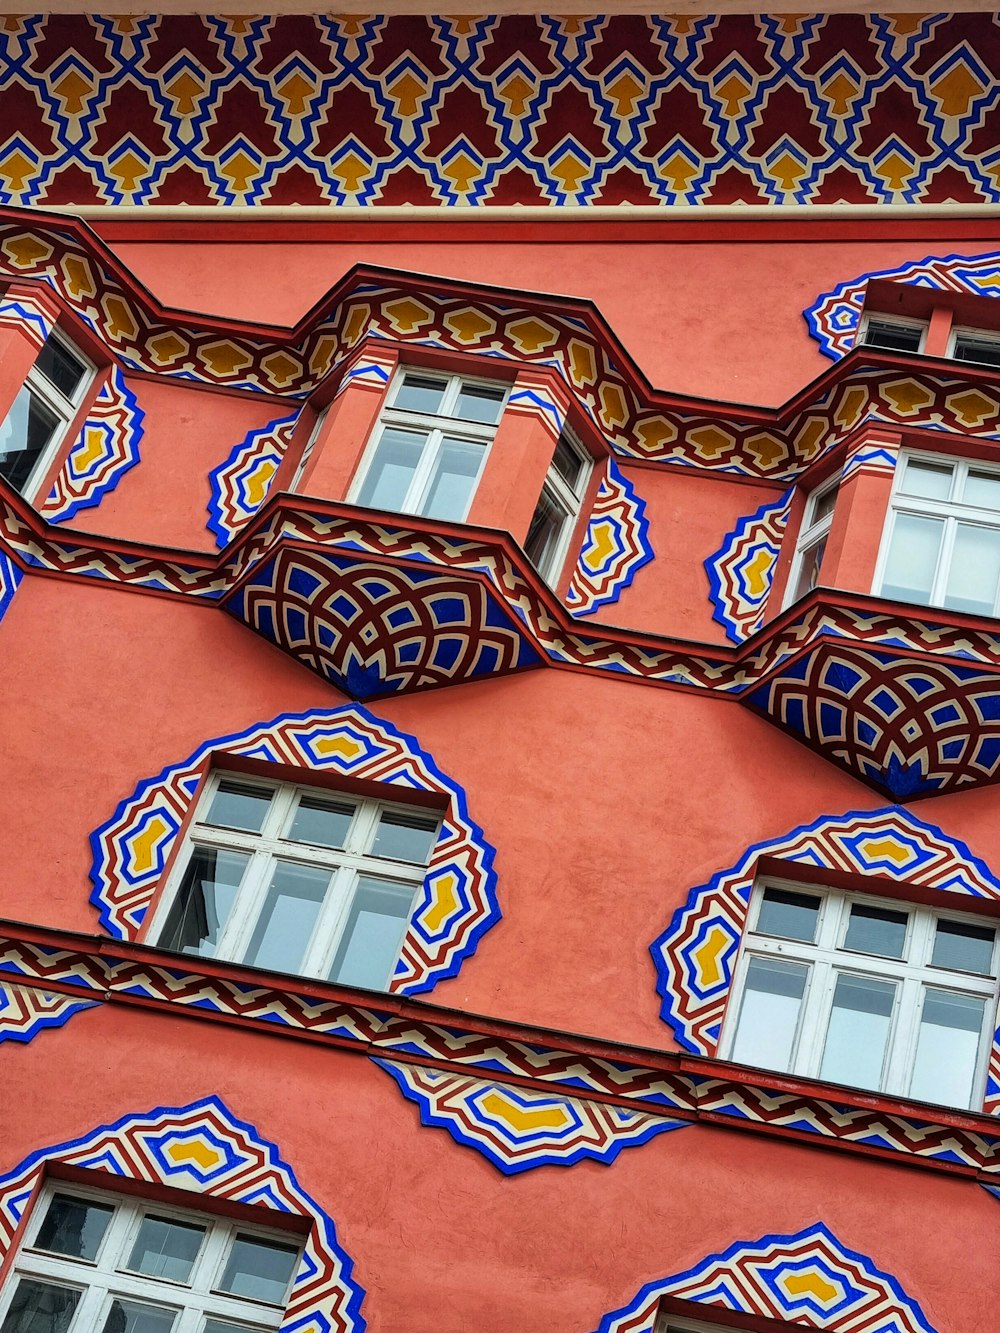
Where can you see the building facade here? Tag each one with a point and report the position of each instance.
(499, 576)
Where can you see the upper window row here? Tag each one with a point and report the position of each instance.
(896, 333)
(426, 455)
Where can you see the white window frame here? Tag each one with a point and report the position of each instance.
(811, 533)
(569, 501)
(881, 317)
(828, 958)
(434, 426)
(952, 512)
(669, 1323)
(268, 847)
(64, 408)
(100, 1280)
(991, 336)
(295, 484)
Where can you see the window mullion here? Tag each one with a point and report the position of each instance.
(939, 583)
(234, 939)
(419, 485)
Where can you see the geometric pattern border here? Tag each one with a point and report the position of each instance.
(239, 486)
(371, 629)
(10, 578)
(203, 1149)
(696, 955)
(741, 571)
(613, 109)
(615, 546)
(457, 903)
(25, 1011)
(809, 1279)
(833, 318)
(559, 337)
(673, 1085)
(21, 310)
(905, 723)
(518, 1129)
(107, 446)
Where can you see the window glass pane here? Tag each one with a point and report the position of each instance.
(975, 570)
(859, 1031)
(24, 435)
(825, 503)
(809, 566)
(391, 471)
(876, 930)
(203, 903)
(567, 462)
(405, 837)
(60, 367)
(287, 919)
(221, 1326)
(931, 481)
(892, 336)
(543, 532)
(964, 947)
(133, 1317)
(165, 1248)
(769, 1013)
(259, 1270)
(40, 1307)
(984, 351)
(417, 394)
(373, 933)
(947, 1048)
(74, 1227)
(913, 554)
(793, 916)
(455, 473)
(234, 806)
(321, 823)
(982, 488)
(481, 402)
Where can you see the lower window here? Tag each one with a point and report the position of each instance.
(297, 880)
(877, 995)
(95, 1263)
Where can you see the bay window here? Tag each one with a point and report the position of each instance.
(429, 447)
(880, 995)
(96, 1262)
(942, 542)
(41, 414)
(297, 880)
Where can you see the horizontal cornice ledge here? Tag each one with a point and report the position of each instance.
(552, 1062)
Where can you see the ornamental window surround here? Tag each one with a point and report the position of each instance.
(429, 448)
(883, 995)
(296, 879)
(558, 508)
(941, 544)
(96, 1262)
(39, 418)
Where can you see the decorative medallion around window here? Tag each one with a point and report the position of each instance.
(834, 317)
(810, 1279)
(203, 1149)
(918, 982)
(347, 895)
(741, 571)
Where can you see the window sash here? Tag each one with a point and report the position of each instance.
(348, 869)
(566, 501)
(438, 430)
(62, 406)
(914, 976)
(813, 533)
(101, 1280)
(953, 514)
